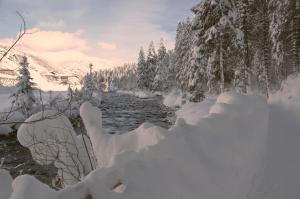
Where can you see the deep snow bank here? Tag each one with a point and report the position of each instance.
(51, 138)
(173, 99)
(140, 93)
(289, 93)
(5, 184)
(192, 113)
(216, 158)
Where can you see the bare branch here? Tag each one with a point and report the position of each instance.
(22, 32)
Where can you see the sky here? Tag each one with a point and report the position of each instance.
(104, 32)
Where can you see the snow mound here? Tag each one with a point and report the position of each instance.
(140, 93)
(289, 93)
(50, 138)
(28, 187)
(218, 158)
(192, 113)
(173, 99)
(5, 184)
(107, 146)
(144, 94)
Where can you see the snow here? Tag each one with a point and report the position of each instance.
(218, 158)
(51, 138)
(5, 184)
(28, 187)
(289, 94)
(233, 147)
(107, 146)
(140, 93)
(173, 99)
(192, 113)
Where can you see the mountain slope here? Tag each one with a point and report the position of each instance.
(45, 75)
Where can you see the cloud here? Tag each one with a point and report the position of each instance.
(107, 30)
(107, 46)
(41, 40)
(51, 24)
(59, 48)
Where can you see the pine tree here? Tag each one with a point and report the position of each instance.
(88, 86)
(142, 71)
(296, 34)
(218, 37)
(183, 53)
(152, 62)
(160, 80)
(162, 51)
(23, 97)
(244, 14)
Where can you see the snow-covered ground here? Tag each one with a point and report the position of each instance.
(233, 147)
(140, 93)
(6, 116)
(173, 99)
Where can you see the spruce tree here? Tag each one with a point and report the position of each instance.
(160, 80)
(142, 71)
(152, 62)
(23, 97)
(88, 86)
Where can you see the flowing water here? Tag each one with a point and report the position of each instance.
(121, 113)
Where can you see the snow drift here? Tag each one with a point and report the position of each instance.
(289, 94)
(51, 138)
(5, 184)
(218, 157)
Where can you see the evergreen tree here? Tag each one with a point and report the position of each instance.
(218, 38)
(142, 71)
(23, 97)
(160, 80)
(183, 53)
(152, 62)
(88, 86)
(162, 51)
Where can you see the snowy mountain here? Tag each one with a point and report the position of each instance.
(45, 75)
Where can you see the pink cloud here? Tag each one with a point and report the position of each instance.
(107, 46)
(42, 40)
(60, 48)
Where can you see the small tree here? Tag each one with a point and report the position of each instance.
(142, 70)
(88, 86)
(23, 98)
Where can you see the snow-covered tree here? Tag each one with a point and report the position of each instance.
(23, 98)
(160, 79)
(183, 53)
(88, 86)
(142, 71)
(218, 36)
(151, 63)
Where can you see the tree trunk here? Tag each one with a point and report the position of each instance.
(296, 36)
(222, 84)
(246, 71)
(266, 53)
